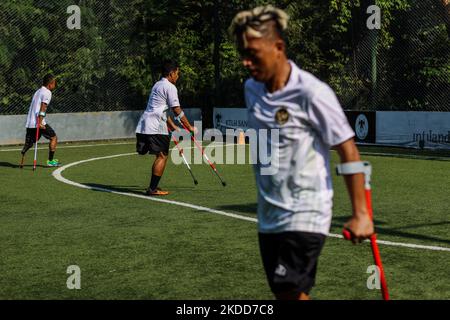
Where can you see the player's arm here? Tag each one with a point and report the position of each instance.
(180, 117)
(360, 225)
(172, 125)
(174, 104)
(42, 113)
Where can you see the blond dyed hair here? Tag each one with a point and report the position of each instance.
(258, 22)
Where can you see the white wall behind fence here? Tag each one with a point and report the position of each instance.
(81, 126)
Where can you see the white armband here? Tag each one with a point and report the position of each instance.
(42, 114)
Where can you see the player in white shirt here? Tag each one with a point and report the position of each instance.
(295, 203)
(152, 129)
(38, 109)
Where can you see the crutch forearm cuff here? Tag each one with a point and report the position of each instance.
(349, 168)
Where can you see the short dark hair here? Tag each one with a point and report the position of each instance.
(47, 79)
(168, 66)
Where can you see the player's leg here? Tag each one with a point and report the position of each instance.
(159, 146)
(157, 171)
(290, 261)
(50, 134)
(30, 139)
(160, 164)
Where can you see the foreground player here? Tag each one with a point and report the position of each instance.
(294, 204)
(151, 132)
(38, 109)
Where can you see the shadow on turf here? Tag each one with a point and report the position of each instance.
(338, 222)
(249, 208)
(14, 165)
(129, 189)
(396, 232)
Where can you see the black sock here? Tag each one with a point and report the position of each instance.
(51, 154)
(154, 182)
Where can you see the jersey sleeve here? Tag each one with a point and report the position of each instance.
(328, 118)
(172, 97)
(46, 97)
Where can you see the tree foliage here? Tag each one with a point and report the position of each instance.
(112, 62)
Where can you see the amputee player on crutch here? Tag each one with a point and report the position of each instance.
(36, 125)
(295, 202)
(151, 132)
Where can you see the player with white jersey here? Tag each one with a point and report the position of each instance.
(36, 115)
(152, 132)
(295, 200)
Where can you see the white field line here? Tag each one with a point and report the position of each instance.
(405, 156)
(58, 176)
(91, 145)
(400, 155)
(76, 146)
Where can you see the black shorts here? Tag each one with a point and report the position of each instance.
(290, 260)
(47, 133)
(152, 143)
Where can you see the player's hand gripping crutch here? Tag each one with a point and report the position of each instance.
(365, 167)
(213, 167)
(180, 150)
(38, 125)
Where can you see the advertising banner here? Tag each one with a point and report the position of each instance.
(414, 129)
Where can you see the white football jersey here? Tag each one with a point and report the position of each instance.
(164, 95)
(43, 95)
(307, 113)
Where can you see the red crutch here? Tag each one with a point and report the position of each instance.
(366, 168)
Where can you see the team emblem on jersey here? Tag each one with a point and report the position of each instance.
(282, 116)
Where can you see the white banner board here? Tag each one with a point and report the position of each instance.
(410, 128)
(230, 118)
(400, 128)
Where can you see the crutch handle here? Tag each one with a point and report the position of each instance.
(347, 235)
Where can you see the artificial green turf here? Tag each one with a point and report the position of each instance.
(130, 248)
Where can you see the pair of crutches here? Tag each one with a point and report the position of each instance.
(212, 166)
(351, 168)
